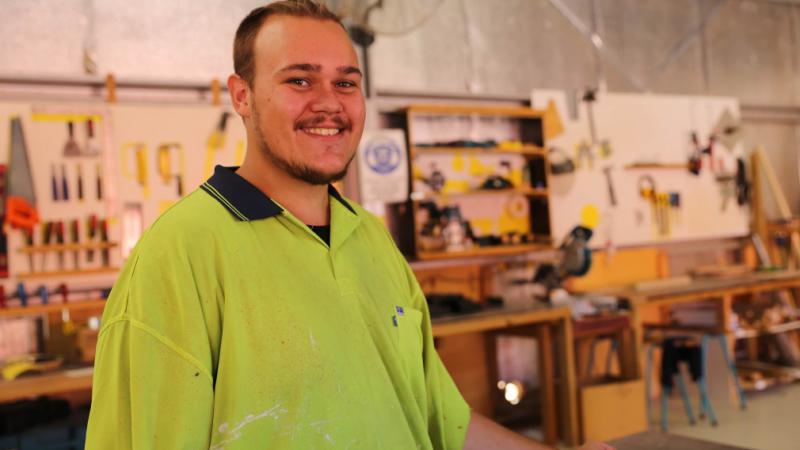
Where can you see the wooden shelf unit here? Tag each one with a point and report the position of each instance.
(53, 307)
(50, 383)
(775, 329)
(657, 166)
(524, 150)
(67, 247)
(65, 273)
(529, 192)
(502, 111)
(523, 125)
(499, 250)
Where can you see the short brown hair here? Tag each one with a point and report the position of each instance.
(243, 43)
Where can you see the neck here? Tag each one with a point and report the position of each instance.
(308, 202)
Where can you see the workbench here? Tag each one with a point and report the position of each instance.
(63, 381)
(51, 383)
(653, 440)
(721, 291)
(549, 326)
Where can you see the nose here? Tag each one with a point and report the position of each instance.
(326, 100)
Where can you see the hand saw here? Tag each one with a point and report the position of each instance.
(20, 206)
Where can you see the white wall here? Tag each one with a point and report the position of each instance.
(750, 49)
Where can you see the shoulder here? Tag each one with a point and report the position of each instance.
(175, 259)
(194, 222)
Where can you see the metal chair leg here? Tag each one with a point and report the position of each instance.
(612, 350)
(648, 376)
(590, 359)
(665, 408)
(702, 384)
(687, 405)
(723, 344)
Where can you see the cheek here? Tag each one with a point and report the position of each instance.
(282, 110)
(357, 112)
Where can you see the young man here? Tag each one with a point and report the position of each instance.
(265, 311)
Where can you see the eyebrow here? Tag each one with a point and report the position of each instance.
(347, 70)
(306, 67)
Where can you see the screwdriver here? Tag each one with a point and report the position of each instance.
(54, 182)
(64, 292)
(91, 232)
(59, 232)
(28, 232)
(104, 239)
(99, 183)
(43, 294)
(64, 183)
(46, 232)
(75, 238)
(21, 294)
(80, 183)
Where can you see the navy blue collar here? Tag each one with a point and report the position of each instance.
(245, 201)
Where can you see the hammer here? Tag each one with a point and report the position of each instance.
(611, 194)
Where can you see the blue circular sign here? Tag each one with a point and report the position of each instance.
(382, 155)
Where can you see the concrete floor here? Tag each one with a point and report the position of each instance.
(770, 422)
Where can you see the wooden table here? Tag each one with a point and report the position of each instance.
(51, 383)
(720, 290)
(542, 323)
(653, 440)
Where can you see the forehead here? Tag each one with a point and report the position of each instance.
(285, 40)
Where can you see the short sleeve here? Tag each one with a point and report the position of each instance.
(146, 395)
(153, 382)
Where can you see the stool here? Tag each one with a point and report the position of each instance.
(614, 345)
(702, 384)
(596, 329)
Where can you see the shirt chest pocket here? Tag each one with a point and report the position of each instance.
(409, 340)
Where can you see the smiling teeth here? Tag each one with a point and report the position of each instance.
(323, 131)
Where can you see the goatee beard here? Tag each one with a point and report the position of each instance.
(296, 170)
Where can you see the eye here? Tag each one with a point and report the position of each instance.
(300, 82)
(346, 84)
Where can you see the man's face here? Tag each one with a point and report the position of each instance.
(308, 108)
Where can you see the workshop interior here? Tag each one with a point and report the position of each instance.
(600, 199)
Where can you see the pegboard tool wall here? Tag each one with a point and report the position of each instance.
(643, 128)
(141, 150)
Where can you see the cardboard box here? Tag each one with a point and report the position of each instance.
(613, 410)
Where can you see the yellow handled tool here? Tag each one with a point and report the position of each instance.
(140, 156)
(215, 142)
(164, 160)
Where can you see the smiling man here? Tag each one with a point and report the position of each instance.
(265, 311)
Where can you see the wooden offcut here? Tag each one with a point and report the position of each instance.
(613, 410)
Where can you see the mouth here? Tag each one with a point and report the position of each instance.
(323, 132)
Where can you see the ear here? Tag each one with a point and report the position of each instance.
(241, 96)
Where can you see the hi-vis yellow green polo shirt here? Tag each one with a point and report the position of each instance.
(234, 326)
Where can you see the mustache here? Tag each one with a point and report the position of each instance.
(338, 121)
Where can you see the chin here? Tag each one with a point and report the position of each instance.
(334, 175)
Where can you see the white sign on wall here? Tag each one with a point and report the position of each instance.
(383, 166)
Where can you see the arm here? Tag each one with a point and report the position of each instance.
(485, 434)
(153, 385)
(146, 395)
